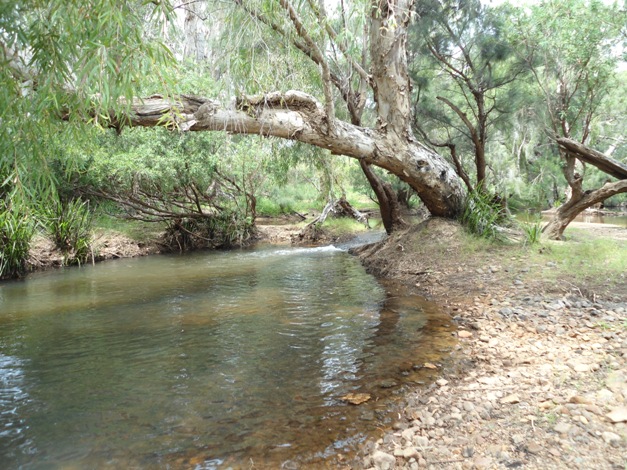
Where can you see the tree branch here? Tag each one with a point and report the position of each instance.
(463, 117)
(326, 74)
(601, 161)
(341, 46)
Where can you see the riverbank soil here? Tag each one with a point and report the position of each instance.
(106, 245)
(538, 379)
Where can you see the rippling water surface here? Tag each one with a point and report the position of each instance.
(202, 360)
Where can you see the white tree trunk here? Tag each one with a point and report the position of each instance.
(298, 116)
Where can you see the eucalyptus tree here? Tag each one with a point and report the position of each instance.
(358, 54)
(463, 64)
(571, 48)
(90, 60)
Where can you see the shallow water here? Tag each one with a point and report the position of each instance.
(588, 218)
(620, 220)
(203, 360)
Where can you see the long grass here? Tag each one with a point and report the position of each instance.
(482, 215)
(16, 233)
(141, 232)
(70, 227)
(532, 232)
(600, 258)
(338, 226)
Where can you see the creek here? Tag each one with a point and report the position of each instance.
(206, 360)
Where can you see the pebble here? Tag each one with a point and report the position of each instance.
(421, 441)
(562, 428)
(605, 396)
(482, 462)
(410, 452)
(561, 355)
(468, 406)
(618, 415)
(518, 439)
(534, 448)
(506, 312)
(611, 438)
(383, 461)
(510, 399)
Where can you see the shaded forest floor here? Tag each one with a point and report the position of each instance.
(538, 379)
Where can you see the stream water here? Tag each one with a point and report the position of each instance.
(206, 360)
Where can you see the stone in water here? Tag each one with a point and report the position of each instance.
(356, 398)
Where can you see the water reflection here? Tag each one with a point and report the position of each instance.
(197, 360)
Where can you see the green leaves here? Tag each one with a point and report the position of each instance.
(571, 47)
(69, 224)
(483, 214)
(73, 60)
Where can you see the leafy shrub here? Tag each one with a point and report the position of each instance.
(223, 230)
(16, 233)
(70, 227)
(268, 207)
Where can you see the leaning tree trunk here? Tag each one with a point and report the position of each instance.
(567, 212)
(295, 115)
(580, 199)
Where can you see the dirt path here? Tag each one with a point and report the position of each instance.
(539, 376)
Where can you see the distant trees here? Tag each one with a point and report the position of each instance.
(496, 87)
(463, 66)
(356, 59)
(571, 48)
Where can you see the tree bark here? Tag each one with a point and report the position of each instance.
(601, 161)
(298, 116)
(579, 199)
(388, 201)
(567, 212)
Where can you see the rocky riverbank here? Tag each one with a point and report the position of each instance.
(539, 376)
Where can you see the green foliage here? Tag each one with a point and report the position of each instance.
(532, 231)
(69, 224)
(16, 232)
(586, 258)
(223, 230)
(73, 60)
(340, 226)
(464, 68)
(571, 48)
(271, 208)
(482, 215)
(141, 232)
